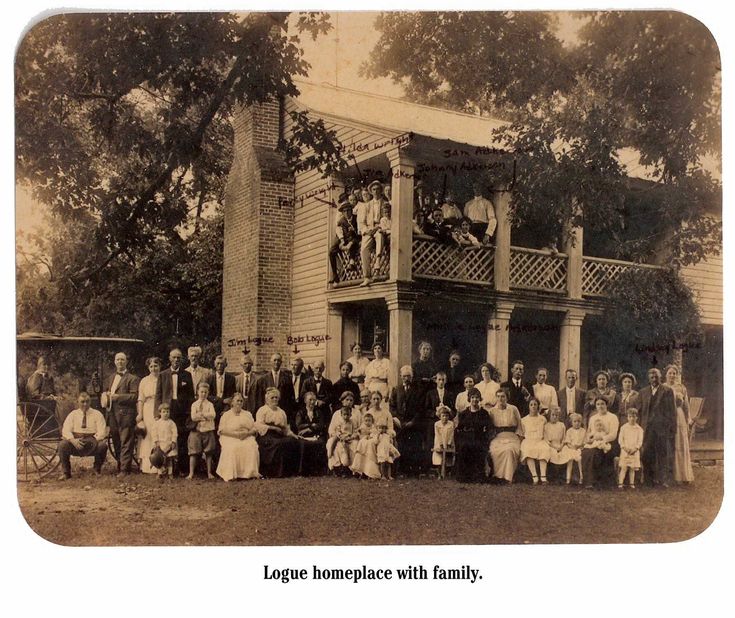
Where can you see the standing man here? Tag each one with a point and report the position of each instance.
(658, 420)
(221, 386)
(518, 392)
(120, 399)
(40, 384)
(176, 389)
(245, 381)
(322, 388)
(197, 372)
(440, 396)
(274, 378)
(417, 425)
(481, 212)
(84, 433)
(347, 239)
(299, 381)
(571, 398)
(368, 216)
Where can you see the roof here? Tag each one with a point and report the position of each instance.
(31, 337)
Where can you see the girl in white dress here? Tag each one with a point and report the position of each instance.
(377, 371)
(146, 416)
(365, 462)
(573, 444)
(387, 452)
(631, 441)
(164, 436)
(240, 458)
(534, 448)
(443, 451)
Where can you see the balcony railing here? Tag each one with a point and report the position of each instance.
(436, 260)
(530, 269)
(598, 274)
(543, 271)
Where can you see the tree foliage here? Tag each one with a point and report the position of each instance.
(639, 90)
(123, 131)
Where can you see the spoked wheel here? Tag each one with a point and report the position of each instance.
(38, 434)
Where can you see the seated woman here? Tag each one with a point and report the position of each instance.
(598, 462)
(471, 437)
(279, 448)
(312, 428)
(239, 457)
(343, 437)
(505, 448)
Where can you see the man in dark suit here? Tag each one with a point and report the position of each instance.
(245, 380)
(322, 388)
(518, 391)
(278, 378)
(299, 381)
(120, 399)
(571, 398)
(414, 437)
(658, 420)
(221, 386)
(439, 396)
(455, 373)
(176, 389)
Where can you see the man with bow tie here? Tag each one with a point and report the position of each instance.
(440, 396)
(176, 389)
(84, 433)
(518, 391)
(119, 399)
(322, 387)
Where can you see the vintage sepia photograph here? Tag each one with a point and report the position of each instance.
(368, 278)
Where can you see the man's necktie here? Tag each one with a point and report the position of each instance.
(84, 419)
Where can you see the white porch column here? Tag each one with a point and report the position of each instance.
(573, 247)
(334, 344)
(401, 231)
(498, 337)
(570, 341)
(501, 201)
(400, 321)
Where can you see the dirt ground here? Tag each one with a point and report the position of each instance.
(89, 510)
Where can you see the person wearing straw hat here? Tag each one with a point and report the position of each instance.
(347, 239)
(368, 216)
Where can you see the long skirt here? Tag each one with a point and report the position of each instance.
(239, 459)
(683, 472)
(598, 466)
(313, 457)
(505, 450)
(366, 458)
(279, 455)
(145, 444)
(469, 465)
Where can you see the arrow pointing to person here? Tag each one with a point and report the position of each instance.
(295, 349)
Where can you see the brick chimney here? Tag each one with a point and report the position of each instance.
(258, 239)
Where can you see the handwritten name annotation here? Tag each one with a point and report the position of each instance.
(364, 573)
(290, 340)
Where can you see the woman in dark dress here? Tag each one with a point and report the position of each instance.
(424, 370)
(472, 437)
(345, 383)
(279, 448)
(311, 428)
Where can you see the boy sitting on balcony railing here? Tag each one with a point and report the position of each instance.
(347, 239)
(382, 235)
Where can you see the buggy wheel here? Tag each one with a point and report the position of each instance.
(38, 434)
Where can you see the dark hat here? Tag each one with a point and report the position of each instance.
(157, 458)
(344, 205)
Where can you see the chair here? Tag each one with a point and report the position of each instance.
(696, 405)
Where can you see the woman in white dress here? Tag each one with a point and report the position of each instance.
(487, 386)
(545, 393)
(359, 363)
(462, 402)
(683, 472)
(377, 371)
(240, 458)
(147, 413)
(505, 447)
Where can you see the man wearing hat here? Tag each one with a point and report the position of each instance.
(347, 239)
(368, 216)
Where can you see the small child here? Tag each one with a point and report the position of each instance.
(573, 443)
(596, 439)
(442, 454)
(382, 235)
(203, 438)
(630, 440)
(387, 453)
(554, 435)
(365, 462)
(533, 447)
(164, 435)
(462, 235)
(340, 445)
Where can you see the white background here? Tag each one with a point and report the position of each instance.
(38, 578)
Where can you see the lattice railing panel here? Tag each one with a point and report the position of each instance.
(537, 270)
(436, 260)
(598, 274)
(351, 270)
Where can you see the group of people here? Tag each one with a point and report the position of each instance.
(364, 227)
(437, 420)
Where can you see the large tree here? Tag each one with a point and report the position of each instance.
(637, 91)
(123, 132)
